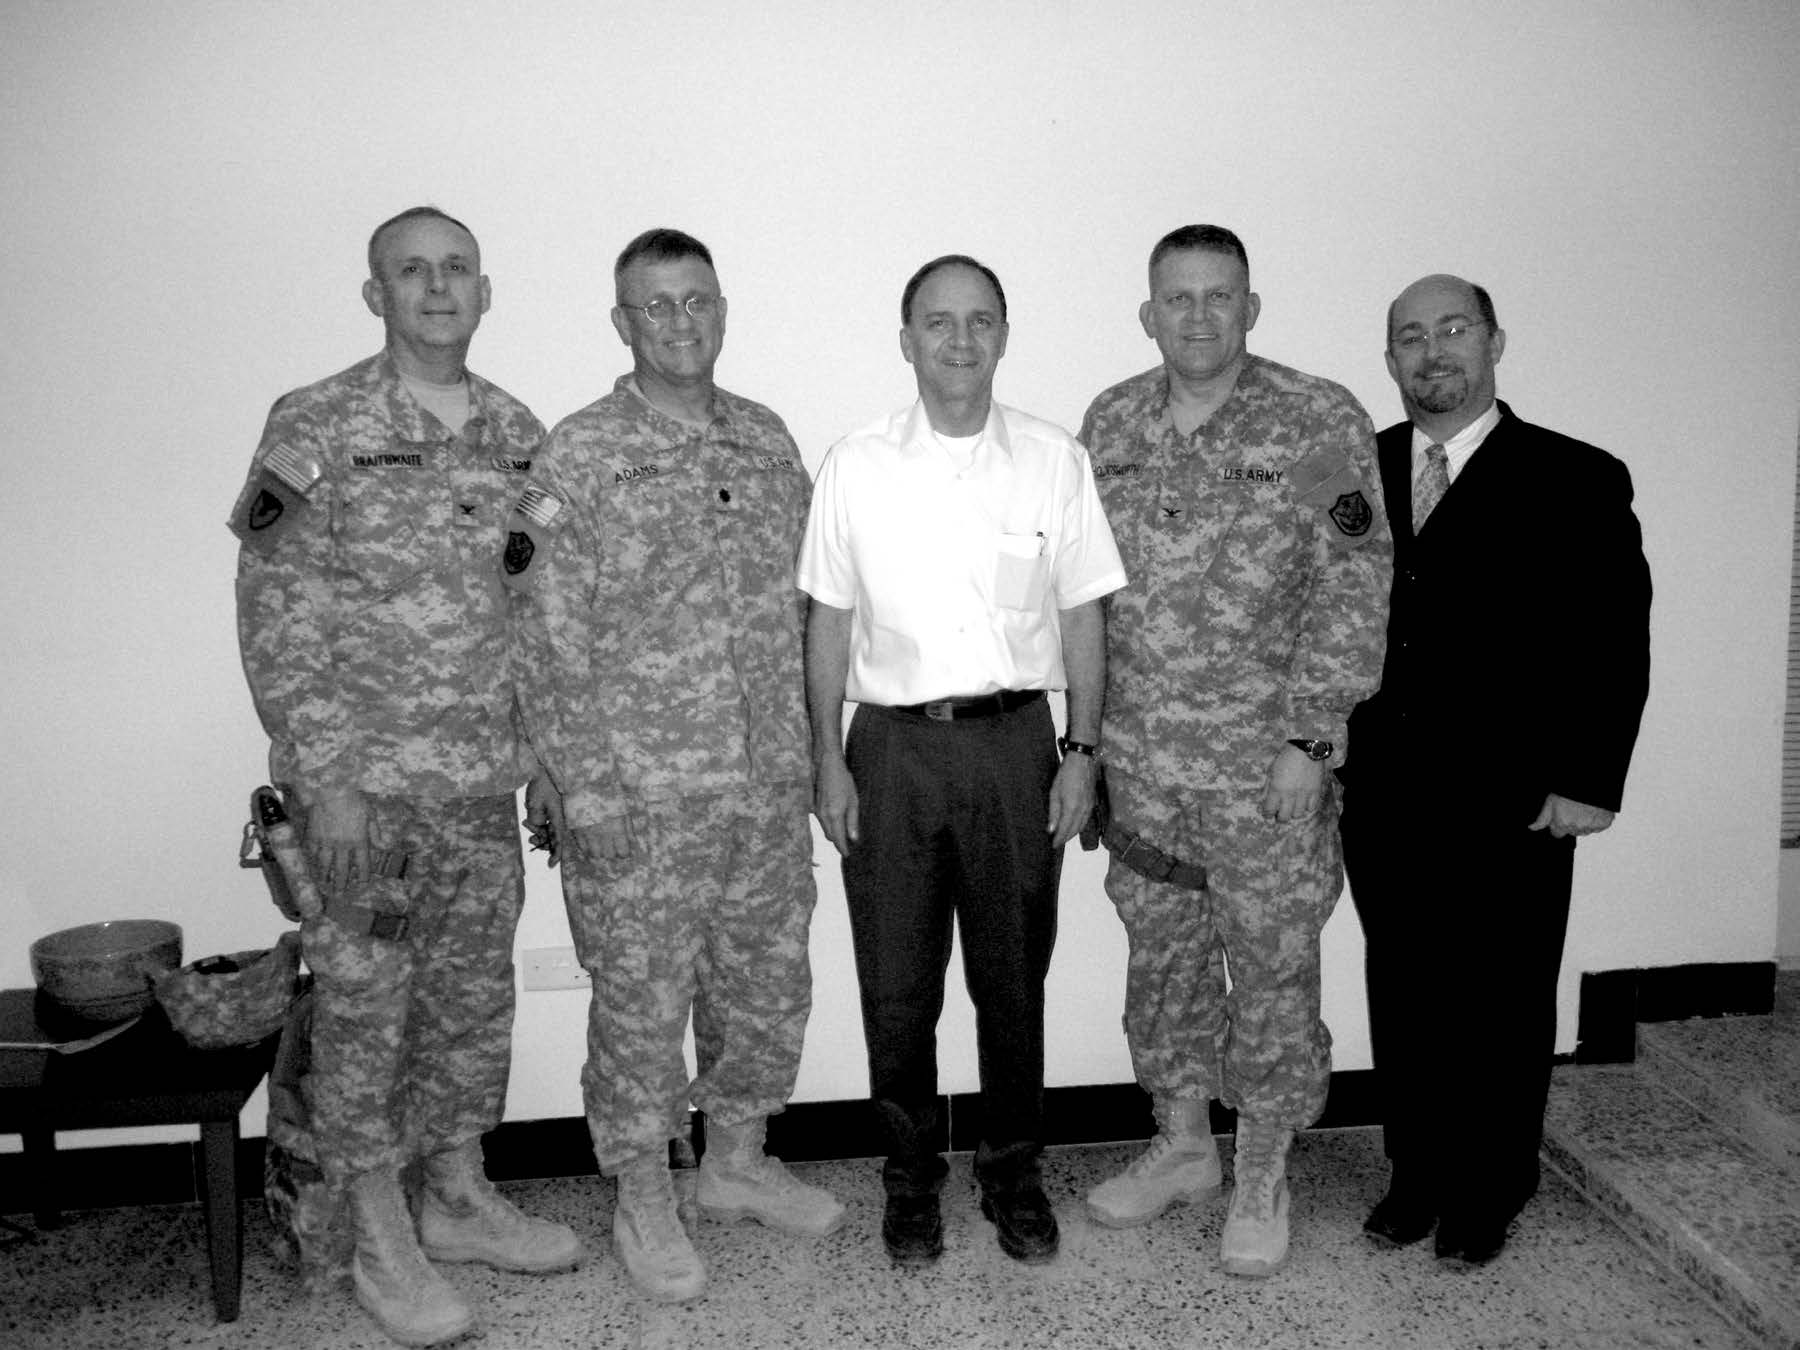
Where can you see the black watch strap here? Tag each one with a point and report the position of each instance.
(1069, 747)
(1314, 750)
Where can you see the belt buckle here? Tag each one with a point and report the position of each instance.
(944, 711)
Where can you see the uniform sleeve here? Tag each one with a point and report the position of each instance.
(286, 601)
(1603, 661)
(826, 569)
(1342, 631)
(802, 512)
(555, 630)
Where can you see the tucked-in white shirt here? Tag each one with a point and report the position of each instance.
(1459, 447)
(955, 574)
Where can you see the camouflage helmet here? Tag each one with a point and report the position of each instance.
(238, 999)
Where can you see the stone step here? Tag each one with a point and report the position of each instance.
(1713, 1207)
(1743, 1071)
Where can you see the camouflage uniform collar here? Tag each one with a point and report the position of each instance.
(410, 421)
(1250, 379)
(917, 437)
(627, 386)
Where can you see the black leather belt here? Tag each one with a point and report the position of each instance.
(982, 705)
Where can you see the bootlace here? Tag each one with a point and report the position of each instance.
(652, 1215)
(1157, 1153)
(1261, 1158)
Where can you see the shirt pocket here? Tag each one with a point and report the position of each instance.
(1022, 571)
(381, 531)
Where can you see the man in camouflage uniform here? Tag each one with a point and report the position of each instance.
(1243, 497)
(374, 632)
(653, 555)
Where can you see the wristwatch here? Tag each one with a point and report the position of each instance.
(1069, 747)
(1315, 750)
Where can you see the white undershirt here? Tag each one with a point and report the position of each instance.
(960, 449)
(449, 403)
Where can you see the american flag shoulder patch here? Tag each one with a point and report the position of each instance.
(538, 504)
(299, 472)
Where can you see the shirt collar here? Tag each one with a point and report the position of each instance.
(916, 436)
(628, 384)
(1463, 444)
(1249, 377)
(409, 418)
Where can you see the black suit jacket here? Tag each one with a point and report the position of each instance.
(1518, 655)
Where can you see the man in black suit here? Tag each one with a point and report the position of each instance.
(1518, 660)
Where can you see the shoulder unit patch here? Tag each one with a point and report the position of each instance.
(1352, 514)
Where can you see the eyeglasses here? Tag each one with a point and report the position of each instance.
(1454, 331)
(662, 309)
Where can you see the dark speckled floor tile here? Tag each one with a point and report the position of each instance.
(1569, 1278)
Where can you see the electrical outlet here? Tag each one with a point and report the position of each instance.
(553, 968)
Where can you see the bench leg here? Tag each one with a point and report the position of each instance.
(224, 1229)
(40, 1152)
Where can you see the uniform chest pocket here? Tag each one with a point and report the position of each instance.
(384, 536)
(1022, 571)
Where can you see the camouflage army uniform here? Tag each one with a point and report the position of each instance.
(1260, 562)
(373, 625)
(662, 682)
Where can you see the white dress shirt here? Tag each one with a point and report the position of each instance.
(955, 574)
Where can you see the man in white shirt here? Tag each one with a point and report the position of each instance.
(955, 554)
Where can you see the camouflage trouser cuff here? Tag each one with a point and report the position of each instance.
(1147, 860)
(365, 921)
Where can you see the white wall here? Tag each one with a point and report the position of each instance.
(188, 187)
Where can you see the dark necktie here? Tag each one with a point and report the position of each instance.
(1431, 486)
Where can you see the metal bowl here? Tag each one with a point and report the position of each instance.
(105, 972)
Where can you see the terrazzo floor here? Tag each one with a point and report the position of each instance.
(132, 1278)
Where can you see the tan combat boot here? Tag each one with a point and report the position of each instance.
(463, 1218)
(1255, 1241)
(647, 1232)
(1181, 1166)
(394, 1282)
(738, 1180)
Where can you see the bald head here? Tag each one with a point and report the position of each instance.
(1478, 297)
(1442, 345)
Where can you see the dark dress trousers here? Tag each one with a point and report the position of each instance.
(1518, 660)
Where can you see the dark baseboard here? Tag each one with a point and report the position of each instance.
(1613, 1002)
(168, 1174)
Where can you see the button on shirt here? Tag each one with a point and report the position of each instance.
(956, 575)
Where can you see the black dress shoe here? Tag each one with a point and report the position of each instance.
(1470, 1242)
(1024, 1222)
(912, 1226)
(1400, 1219)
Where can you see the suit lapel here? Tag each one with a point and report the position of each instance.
(1393, 449)
(1480, 484)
